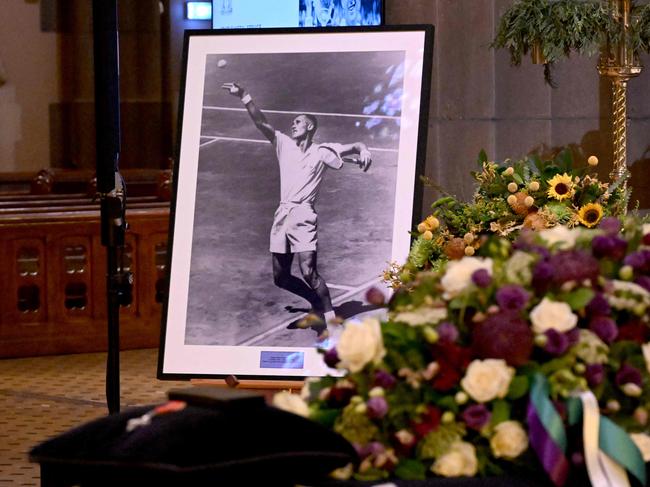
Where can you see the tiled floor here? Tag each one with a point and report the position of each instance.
(44, 396)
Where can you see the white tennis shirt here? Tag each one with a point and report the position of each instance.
(302, 172)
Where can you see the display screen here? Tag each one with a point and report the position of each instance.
(252, 14)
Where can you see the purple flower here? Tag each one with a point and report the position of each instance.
(573, 336)
(504, 336)
(384, 379)
(512, 297)
(639, 260)
(557, 343)
(595, 374)
(628, 375)
(377, 407)
(609, 246)
(481, 278)
(476, 416)
(604, 327)
(542, 276)
(599, 306)
(573, 265)
(644, 282)
(375, 296)
(447, 332)
(331, 358)
(372, 448)
(610, 225)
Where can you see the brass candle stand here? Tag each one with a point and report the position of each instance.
(619, 62)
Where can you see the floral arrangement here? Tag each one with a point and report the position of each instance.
(512, 195)
(489, 365)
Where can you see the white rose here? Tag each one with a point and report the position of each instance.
(509, 440)
(360, 343)
(292, 403)
(459, 461)
(642, 442)
(421, 316)
(487, 379)
(645, 229)
(646, 355)
(552, 315)
(459, 274)
(561, 235)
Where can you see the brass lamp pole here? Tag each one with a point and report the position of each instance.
(620, 64)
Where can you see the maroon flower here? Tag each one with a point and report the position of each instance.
(628, 375)
(604, 327)
(556, 343)
(512, 297)
(595, 374)
(646, 239)
(476, 416)
(634, 331)
(377, 407)
(340, 396)
(481, 278)
(453, 360)
(428, 422)
(505, 336)
(375, 296)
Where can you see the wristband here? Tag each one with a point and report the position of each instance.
(246, 99)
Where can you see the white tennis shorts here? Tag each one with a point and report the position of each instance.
(294, 229)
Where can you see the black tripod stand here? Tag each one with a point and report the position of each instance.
(110, 186)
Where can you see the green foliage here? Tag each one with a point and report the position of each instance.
(409, 469)
(560, 27)
(438, 441)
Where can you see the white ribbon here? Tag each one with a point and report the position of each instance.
(602, 470)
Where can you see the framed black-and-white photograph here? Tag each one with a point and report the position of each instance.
(295, 187)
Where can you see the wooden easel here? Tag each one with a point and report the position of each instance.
(266, 387)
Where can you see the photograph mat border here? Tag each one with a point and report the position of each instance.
(180, 360)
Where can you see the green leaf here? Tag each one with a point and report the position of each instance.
(579, 298)
(500, 412)
(482, 157)
(518, 387)
(518, 179)
(409, 469)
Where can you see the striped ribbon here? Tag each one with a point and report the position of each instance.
(546, 431)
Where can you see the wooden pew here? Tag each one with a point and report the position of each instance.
(53, 292)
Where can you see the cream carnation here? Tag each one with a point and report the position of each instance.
(642, 442)
(292, 403)
(421, 316)
(591, 349)
(459, 461)
(561, 235)
(360, 343)
(459, 274)
(487, 379)
(509, 440)
(552, 315)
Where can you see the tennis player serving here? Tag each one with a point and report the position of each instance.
(294, 231)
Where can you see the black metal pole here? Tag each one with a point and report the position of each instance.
(109, 187)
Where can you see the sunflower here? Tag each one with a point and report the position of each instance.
(590, 214)
(560, 187)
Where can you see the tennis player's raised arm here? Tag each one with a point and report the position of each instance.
(258, 117)
(365, 157)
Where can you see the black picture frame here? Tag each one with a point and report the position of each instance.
(368, 83)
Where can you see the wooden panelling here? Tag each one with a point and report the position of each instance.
(53, 296)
